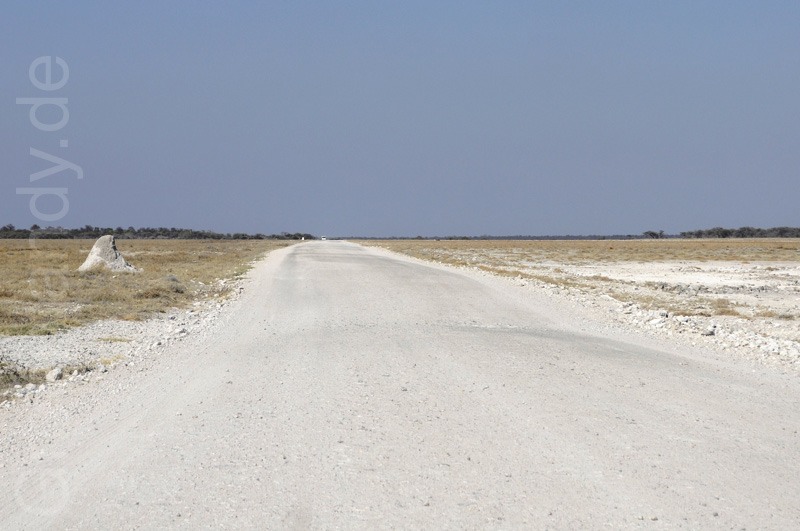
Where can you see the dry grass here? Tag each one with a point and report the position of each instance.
(559, 263)
(771, 314)
(114, 339)
(461, 252)
(41, 290)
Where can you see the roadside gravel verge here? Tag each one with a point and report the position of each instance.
(84, 352)
(609, 296)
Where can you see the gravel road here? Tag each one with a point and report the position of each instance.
(351, 388)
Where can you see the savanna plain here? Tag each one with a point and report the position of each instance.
(43, 292)
(46, 303)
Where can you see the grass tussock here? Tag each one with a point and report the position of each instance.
(42, 292)
(771, 314)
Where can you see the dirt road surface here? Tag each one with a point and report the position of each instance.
(351, 388)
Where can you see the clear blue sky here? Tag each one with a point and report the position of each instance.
(406, 118)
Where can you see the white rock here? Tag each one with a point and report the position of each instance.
(104, 254)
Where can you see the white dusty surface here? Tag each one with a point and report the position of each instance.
(764, 299)
(353, 388)
(680, 300)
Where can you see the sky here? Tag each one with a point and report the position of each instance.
(380, 118)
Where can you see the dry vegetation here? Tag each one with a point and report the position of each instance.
(605, 267)
(41, 290)
(499, 252)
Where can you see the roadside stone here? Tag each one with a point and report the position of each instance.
(54, 375)
(710, 331)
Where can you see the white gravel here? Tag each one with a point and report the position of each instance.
(95, 348)
(755, 289)
(756, 286)
(349, 388)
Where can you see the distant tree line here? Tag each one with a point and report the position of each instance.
(717, 232)
(514, 237)
(744, 232)
(90, 232)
